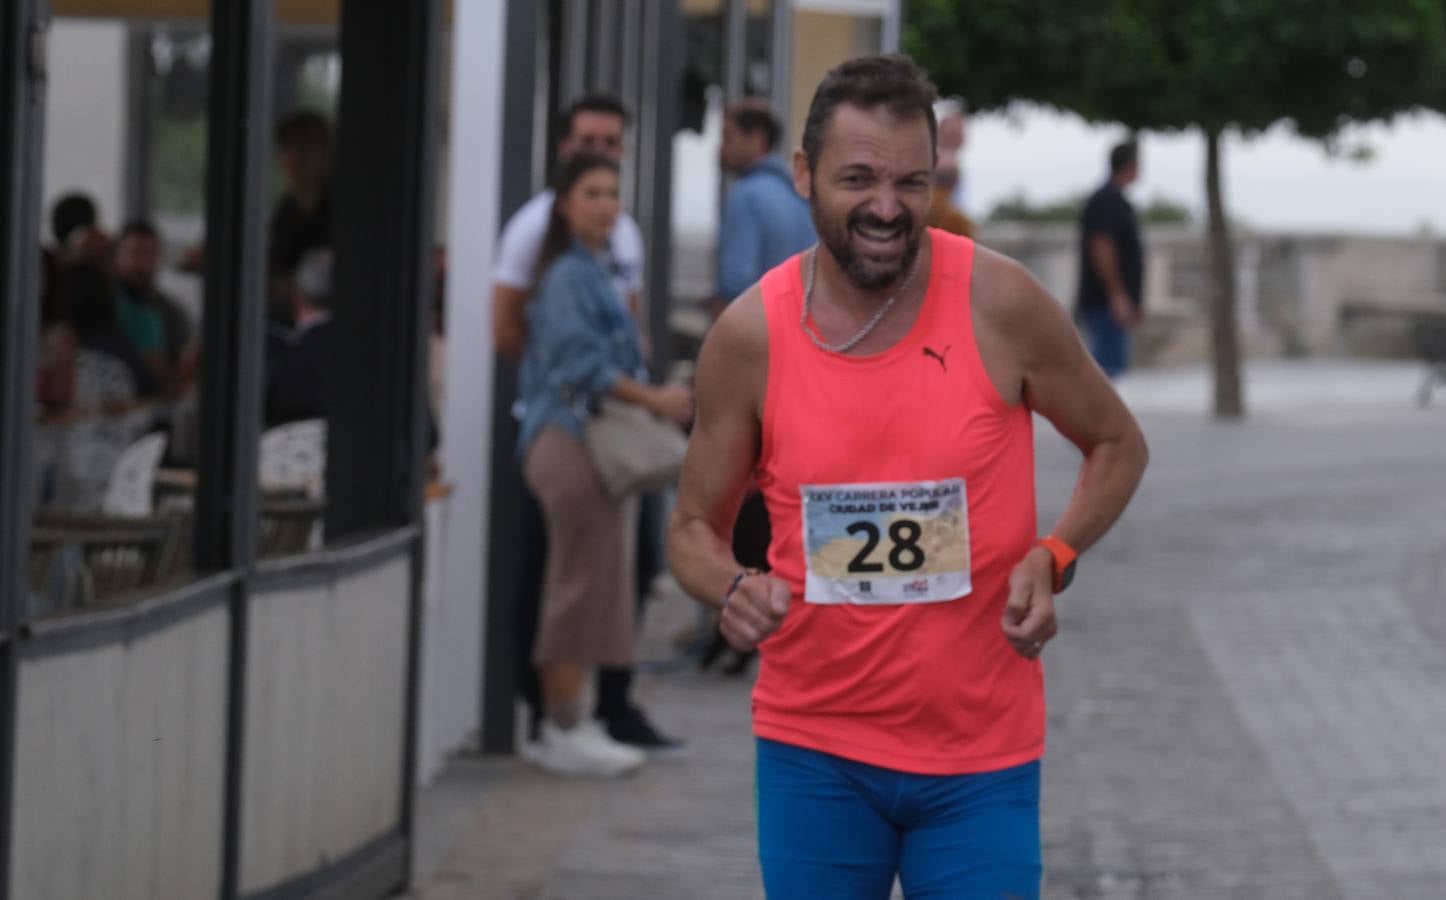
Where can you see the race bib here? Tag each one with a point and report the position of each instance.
(886, 543)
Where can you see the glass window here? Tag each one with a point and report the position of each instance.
(123, 242)
(758, 50)
(292, 454)
(696, 176)
(119, 342)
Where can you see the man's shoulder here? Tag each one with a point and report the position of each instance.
(539, 204)
(1003, 291)
(1105, 193)
(144, 308)
(520, 242)
(1105, 204)
(741, 333)
(765, 183)
(627, 234)
(532, 215)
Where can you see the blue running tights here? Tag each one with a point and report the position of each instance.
(842, 830)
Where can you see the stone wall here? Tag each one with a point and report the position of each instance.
(1299, 294)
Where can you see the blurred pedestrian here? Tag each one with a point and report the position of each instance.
(297, 357)
(302, 220)
(1112, 264)
(594, 124)
(583, 344)
(765, 221)
(943, 214)
(154, 323)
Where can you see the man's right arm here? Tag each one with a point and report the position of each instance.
(509, 319)
(517, 251)
(1105, 260)
(731, 380)
(729, 384)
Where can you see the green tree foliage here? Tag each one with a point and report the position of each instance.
(1214, 66)
(1018, 208)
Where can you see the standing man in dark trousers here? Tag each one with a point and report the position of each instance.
(1112, 267)
(594, 124)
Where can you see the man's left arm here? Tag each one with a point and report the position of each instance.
(1058, 380)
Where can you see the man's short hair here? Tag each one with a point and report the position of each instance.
(753, 117)
(1123, 156)
(138, 228)
(894, 81)
(304, 129)
(69, 214)
(593, 103)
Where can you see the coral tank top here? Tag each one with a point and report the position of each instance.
(900, 488)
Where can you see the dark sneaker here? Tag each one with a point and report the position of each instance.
(632, 727)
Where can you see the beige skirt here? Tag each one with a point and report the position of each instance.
(589, 590)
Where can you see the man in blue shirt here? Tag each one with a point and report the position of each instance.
(765, 221)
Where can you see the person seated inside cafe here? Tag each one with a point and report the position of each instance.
(296, 357)
(85, 295)
(154, 323)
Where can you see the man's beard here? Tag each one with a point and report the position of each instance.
(866, 273)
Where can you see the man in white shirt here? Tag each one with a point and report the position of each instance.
(593, 124)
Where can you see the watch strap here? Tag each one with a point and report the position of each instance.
(1065, 560)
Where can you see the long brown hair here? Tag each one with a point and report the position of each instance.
(559, 236)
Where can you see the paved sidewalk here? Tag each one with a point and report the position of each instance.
(1248, 698)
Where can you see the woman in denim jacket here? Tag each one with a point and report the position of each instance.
(582, 345)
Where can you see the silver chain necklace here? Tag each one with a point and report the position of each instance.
(852, 342)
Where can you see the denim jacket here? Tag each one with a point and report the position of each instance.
(580, 341)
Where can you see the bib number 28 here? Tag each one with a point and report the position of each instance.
(886, 543)
(905, 554)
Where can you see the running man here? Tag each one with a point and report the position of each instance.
(881, 388)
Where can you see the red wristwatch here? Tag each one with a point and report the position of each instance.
(1065, 560)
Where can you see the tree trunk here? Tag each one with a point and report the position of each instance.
(1229, 400)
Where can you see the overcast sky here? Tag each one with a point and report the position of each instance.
(1274, 181)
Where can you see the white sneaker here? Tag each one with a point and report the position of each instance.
(584, 749)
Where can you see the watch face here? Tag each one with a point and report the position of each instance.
(1067, 575)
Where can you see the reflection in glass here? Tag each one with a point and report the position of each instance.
(758, 50)
(695, 157)
(291, 504)
(119, 342)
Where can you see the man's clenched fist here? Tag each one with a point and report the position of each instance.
(755, 611)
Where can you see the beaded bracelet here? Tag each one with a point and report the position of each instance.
(733, 585)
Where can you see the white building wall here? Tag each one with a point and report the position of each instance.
(120, 767)
(325, 722)
(452, 639)
(85, 116)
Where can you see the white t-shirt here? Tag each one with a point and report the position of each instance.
(522, 241)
